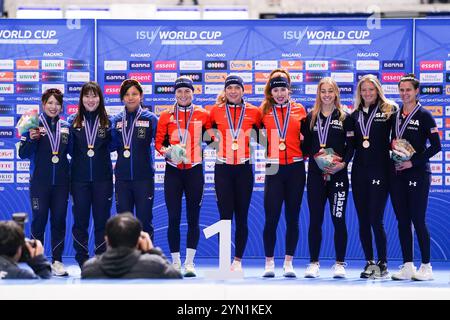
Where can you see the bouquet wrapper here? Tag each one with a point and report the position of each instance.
(176, 154)
(402, 150)
(29, 120)
(326, 158)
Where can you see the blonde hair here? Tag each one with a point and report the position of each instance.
(268, 101)
(318, 103)
(388, 107)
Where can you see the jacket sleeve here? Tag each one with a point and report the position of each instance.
(27, 146)
(431, 131)
(41, 267)
(167, 270)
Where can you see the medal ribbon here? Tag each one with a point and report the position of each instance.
(282, 133)
(127, 136)
(183, 137)
(323, 132)
(400, 130)
(54, 139)
(365, 128)
(91, 135)
(235, 132)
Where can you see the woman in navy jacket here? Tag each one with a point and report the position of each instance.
(47, 148)
(133, 131)
(411, 179)
(328, 126)
(91, 170)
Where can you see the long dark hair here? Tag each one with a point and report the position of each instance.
(87, 88)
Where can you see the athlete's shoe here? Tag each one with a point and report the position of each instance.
(424, 273)
(59, 270)
(312, 271)
(177, 265)
(339, 270)
(406, 272)
(189, 270)
(236, 266)
(269, 269)
(369, 270)
(382, 270)
(289, 271)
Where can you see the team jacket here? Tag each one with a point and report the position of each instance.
(378, 152)
(340, 138)
(84, 168)
(421, 127)
(252, 120)
(167, 133)
(39, 151)
(139, 166)
(293, 152)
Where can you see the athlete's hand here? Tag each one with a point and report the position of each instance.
(403, 165)
(34, 134)
(144, 242)
(335, 168)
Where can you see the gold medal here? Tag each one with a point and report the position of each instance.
(55, 159)
(323, 145)
(282, 146)
(366, 144)
(90, 153)
(234, 146)
(127, 153)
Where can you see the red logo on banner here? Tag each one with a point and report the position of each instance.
(391, 76)
(165, 65)
(71, 109)
(141, 76)
(431, 65)
(109, 90)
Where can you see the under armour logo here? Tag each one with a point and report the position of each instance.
(339, 184)
(375, 181)
(413, 183)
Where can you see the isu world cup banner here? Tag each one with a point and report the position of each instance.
(432, 68)
(157, 52)
(36, 55)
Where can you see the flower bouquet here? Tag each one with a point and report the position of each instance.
(29, 120)
(326, 158)
(402, 150)
(176, 154)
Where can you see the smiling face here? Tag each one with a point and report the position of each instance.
(184, 96)
(132, 99)
(327, 95)
(407, 92)
(280, 94)
(369, 93)
(52, 107)
(234, 93)
(91, 101)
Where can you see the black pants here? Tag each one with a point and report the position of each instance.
(43, 199)
(370, 186)
(189, 181)
(139, 194)
(234, 187)
(87, 195)
(409, 194)
(336, 192)
(286, 186)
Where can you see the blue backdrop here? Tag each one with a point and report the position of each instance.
(156, 52)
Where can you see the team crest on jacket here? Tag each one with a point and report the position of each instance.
(101, 133)
(141, 133)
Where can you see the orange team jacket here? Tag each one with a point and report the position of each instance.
(252, 120)
(292, 153)
(167, 133)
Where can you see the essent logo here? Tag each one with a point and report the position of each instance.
(431, 65)
(165, 65)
